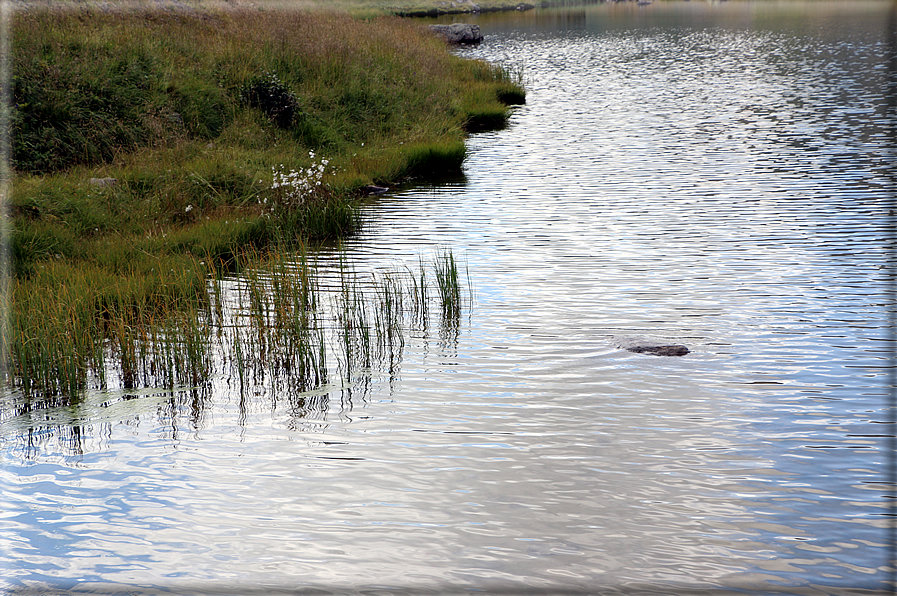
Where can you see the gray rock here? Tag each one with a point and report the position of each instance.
(459, 33)
(641, 344)
(372, 190)
(670, 350)
(102, 182)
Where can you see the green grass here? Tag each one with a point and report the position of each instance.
(188, 113)
(357, 8)
(272, 324)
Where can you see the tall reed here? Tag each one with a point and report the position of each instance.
(273, 326)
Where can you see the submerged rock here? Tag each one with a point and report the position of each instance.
(670, 350)
(374, 190)
(640, 344)
(459, 33)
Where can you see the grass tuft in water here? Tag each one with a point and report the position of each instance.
(280, 329)
(448, 285)
(268, 324)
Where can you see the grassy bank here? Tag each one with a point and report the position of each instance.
(358, 8)
(153, 149)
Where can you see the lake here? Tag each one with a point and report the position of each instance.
(714, 175)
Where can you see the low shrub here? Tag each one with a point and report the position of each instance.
(272, 97)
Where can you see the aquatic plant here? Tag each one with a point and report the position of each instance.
(279, 325)
(447, 284)
(63, 320)
(419, 294)
(389, 320)
(353, 324)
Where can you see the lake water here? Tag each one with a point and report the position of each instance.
(706, 174)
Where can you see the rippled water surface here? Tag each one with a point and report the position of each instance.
(712, 175)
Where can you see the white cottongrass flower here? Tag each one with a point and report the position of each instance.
(297, 185)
